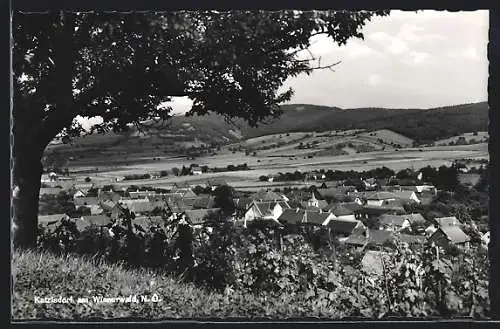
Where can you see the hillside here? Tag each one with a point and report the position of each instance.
(423, 126)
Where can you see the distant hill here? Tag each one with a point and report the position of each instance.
(420, 125)
(423, 126)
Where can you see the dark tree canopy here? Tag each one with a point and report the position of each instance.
(122, 67)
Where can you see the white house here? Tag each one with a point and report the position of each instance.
(378, 199)
(196, 170)
(407, 196)
(268, 210)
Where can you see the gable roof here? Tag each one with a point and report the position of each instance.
(242, 203)
(50, 190)
(454, 234)
(342, 226)
(264, 195)
(378, 210)
(86, 200)
(265, 208)
(339, 209)
(404, 194)
(143, 206)
(292, 216)
(392, 220)
(316, 218)
(107, 205)
(447, 221)
(50, 219)
(146, 222)
(335, 192)
(381, 196)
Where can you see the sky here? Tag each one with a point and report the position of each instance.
(413, 59)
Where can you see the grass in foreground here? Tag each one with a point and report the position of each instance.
(41, 274)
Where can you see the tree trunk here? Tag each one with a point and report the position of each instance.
(27, 175)
(32, 137)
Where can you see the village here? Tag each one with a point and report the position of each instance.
(367, 215)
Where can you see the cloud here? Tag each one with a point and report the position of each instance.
(376, 80)
(471, 53)
(417, 58)
(355, 50)
(407, 60)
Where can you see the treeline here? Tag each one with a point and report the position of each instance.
(444, 177)
(186, 171)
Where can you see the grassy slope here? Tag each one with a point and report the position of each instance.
(45, 275)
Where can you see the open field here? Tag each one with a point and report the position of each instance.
(266, 165)
(388, 137)
(481, 136)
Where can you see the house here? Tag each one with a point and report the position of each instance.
(142, 206)
(52, 176)
(468, 179)
(50, 190)
(85, 201)
(213, 183)
(370, 238)
(392, 207)
(140, 194)
(267, 210)
(79, 194)
(407, 196)
(380, 198)
(420, 188)
(370, 184)
(314, 202)
(375, 262)
(393, 223)
(316, 218)
(196, 170)
(94, 209)
(179, 205)
(197, 217)
(336, 193)
(445, 236)
(84, 187)
(108, 196)
(410, 238)
(341, 211)
(51, 219)
(379, 238)
(242, 204)
(291, 217)
(441, 222)
(266, 195)
(144, 223)
(447, 221)
(342, 229)
(184, 192)
(204, 202)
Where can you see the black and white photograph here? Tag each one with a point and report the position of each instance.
(250, 165)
